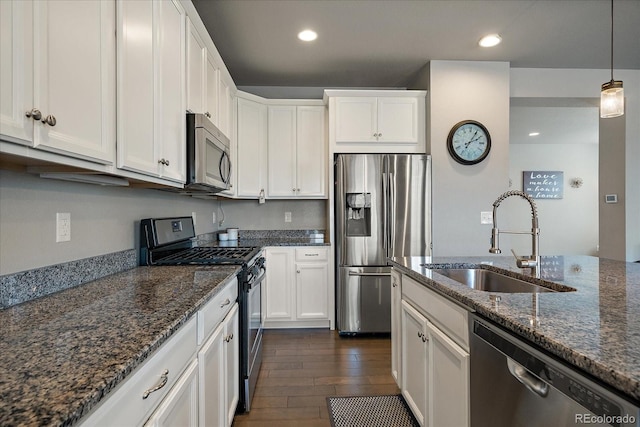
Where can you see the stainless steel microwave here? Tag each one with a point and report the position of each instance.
(208, 161)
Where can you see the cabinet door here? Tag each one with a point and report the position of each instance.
(196, 70)
(281, 151)
(398, 120)
(232, 364)
(311, 152)
(396, 330)
(415, 362)
(212, 379)
(75, 78)
(279, 290)
(212, 98)
(252, 148)
(224, 108)
(356, 119)
(170, 104)
(312, 287)
(136, 147)
(180, 407)
(16, 77)
(448, 380)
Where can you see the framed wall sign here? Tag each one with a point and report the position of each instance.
(543, 184)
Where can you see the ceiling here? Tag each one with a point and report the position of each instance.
(384, 43)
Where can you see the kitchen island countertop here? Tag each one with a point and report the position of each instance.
(62, 353)
(596, 328)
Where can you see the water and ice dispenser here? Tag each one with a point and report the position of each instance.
(358, 214)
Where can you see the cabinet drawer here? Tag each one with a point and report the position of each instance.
(214, 311)
(126, 406)
(311, 254)
(445, 314)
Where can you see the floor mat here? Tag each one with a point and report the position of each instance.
(370, 411)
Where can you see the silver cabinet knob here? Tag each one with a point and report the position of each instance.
(50, 120)
(207, 114)
(164, 162)
(35, 113)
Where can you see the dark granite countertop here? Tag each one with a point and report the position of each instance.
(62, 353)
(596, 328)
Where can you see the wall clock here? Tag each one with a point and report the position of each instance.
(469, 142)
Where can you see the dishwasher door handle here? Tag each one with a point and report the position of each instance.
(534, 384)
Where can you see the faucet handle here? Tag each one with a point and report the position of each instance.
(524, 262)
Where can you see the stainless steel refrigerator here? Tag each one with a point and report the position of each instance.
(382, 209)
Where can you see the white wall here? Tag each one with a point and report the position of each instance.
(250, 215)
(572, 83)
(103, 219)
(106, 219)
(568, 226)
(461, 90)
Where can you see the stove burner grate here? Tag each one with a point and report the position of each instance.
(202, 255)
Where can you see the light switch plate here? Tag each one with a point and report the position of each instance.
(63, 227)
(486, 217)
(287, 217)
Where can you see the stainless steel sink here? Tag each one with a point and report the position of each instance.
(490, 281)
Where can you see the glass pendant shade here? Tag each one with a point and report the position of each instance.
(612, 99)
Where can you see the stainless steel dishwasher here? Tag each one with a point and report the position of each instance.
(515, 385)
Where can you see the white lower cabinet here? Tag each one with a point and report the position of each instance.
(219, 375)
(296, 291)
(184, 383)
(180, 407)
(415, 362)
(449, 381)
(396, 326)
(434, 364)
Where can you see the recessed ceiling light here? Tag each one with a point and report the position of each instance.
(307, 35)
(490, 40)
(534, 134)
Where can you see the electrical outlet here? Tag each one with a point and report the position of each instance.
(63, 227)
(287, 217)
(486, 217)
(213, 217)
(193, 215)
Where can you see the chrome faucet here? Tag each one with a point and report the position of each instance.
(533, 261)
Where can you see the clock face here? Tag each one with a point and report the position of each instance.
(469, 142)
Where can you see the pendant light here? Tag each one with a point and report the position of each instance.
(612, 94)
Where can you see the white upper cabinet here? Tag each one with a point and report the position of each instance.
(151, 88)
(197, 82)
(297, 152)
(203, 76)
(251, 162)
(58, 77)
(365, 121)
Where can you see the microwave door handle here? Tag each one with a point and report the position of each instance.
(225, 179)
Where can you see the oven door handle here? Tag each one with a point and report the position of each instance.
(260, 278)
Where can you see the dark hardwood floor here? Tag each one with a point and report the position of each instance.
(302, 367)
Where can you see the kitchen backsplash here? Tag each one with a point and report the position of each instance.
(24, 286)
(27, 285)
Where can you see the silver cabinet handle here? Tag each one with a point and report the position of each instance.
(207, 114)
(226, 302)
(228, 338)
(35, 113)
(298, 271)
(164, 162)
(163, 381)
(534, 384)
(50, 120)
(394, 284)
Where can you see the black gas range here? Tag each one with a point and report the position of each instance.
(172, 241)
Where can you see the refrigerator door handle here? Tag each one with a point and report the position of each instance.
(353, 273)
(392, 213)
(385, 211)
